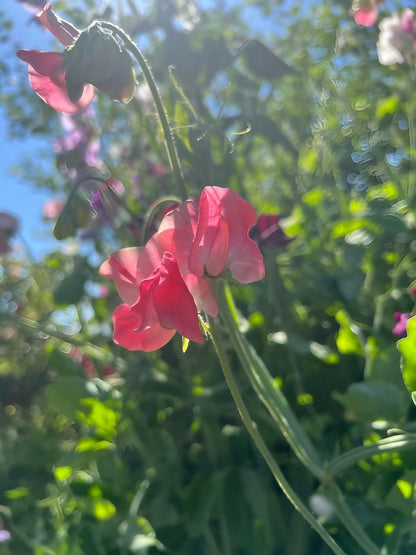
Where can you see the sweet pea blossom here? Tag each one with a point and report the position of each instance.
(165, 283)
(92, 58)
(397, 39)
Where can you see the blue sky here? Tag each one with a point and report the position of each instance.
(19, 198)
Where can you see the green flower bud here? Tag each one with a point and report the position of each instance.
(97, 58)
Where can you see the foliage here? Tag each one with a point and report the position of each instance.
(109, 451)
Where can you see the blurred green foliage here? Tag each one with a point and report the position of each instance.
(108, 451)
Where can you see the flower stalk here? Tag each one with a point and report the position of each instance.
(255, 435)
(161, 112)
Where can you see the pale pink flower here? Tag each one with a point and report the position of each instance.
(396, 43)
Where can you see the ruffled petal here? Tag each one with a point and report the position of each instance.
(174, 303)
(126, 322)
(61, 29)
(121, 267)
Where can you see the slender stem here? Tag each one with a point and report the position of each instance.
(161, 112)
(279, 409)
(89, 348)
(261, 446)
(270, 394)
(411, 186)
(348, 519)
(398, 443)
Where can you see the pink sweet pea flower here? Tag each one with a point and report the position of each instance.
(165, 283)
(46, 69)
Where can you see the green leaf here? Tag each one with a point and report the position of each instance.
(263, 62)
(64, 394)
(374, 399)
(62, 472)
(347, 340)
(407, 347)
(387, 106)
(103, 509)
(200, 497)
(92, 444)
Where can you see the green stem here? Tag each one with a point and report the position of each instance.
(279, 409)
(161, 112)
(266, 388)
(90, 349)
(411, 186)
(348, 519)
(261, 446)
(398, 443)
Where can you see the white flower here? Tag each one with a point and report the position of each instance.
(396, 42)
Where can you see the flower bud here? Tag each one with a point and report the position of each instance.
(97, 58)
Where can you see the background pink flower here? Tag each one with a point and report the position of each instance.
(396, 43)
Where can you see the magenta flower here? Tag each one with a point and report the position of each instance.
(401, 322)
(46, 69)
(166, 283)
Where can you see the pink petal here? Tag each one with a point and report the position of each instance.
(176, 232)
(49, 64)
(366, 16)
(126, 322)
(57, 97)
(200, 291)
(121, 268)
(209, 219)
(244, 259)
(173, 302)
(61, 29)
(47, 78)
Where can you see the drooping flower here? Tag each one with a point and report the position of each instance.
(401, 322)
(397, 40)
(66, 80)
(46, 69)
(165, 283)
